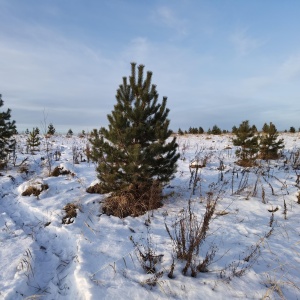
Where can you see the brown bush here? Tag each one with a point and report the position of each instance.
(246, 163)
(71, 213)
(134, 201)
(95, 189)
(34, 190)
(60, 171)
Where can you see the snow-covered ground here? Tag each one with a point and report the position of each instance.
(257, 252)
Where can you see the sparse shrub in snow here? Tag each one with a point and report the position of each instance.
(133, 155)
(189, 234)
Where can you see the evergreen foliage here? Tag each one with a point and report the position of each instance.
(180, 132)
(70, 132)
(33, 140)
(216, 130)
(51, 129)
(269, 144)
(7, 130)
(292, 129)
(248, 142)
(265, 128)
(254, 128)
(133, 155)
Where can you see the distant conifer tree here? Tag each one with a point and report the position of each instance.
(234, 129)
(269, 144)
(133, 154)
(180, 132)
(201, 130)
(292, 129)
(248, 142)
(33, 140)
(7, 130)
(265, 128)
(216, 130)
(51, 129)
(70, 132)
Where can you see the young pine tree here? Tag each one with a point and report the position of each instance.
(7, 130)
(51, 129)
(216, 130)
(269, 143)
(33, 140)
(248, 142)
(133, 154)
(70, 132)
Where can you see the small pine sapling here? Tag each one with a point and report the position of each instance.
(7, 130)
(33, 140)
(269, 143)
(247, 140)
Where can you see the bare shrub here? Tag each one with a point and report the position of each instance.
(154, 279)
(208, 259)
(71, 213)
(134, 201)
(146, 254)
(190, 233)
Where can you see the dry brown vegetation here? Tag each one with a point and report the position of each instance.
(35, 190)
(134, 201)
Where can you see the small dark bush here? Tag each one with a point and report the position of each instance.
(71, 213)
(33, 190)
(60, 171)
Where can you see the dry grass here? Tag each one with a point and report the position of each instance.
(35, 190)
(60, 171)
(71, 213)
(95, 189)
(134, 201)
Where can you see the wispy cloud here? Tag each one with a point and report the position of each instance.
(243, 43)
(290, 69)
(166, 16)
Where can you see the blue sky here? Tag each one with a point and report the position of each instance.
(218, 61)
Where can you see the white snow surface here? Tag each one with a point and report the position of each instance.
(94, 258)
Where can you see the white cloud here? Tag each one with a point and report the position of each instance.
(166, 16)
(243, 43)
(290, 69)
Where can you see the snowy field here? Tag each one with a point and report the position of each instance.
(253, 241)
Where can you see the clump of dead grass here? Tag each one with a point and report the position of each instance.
(60, 171)
(95, 189)
(134, 201)
(71, 213)
(35, 189)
